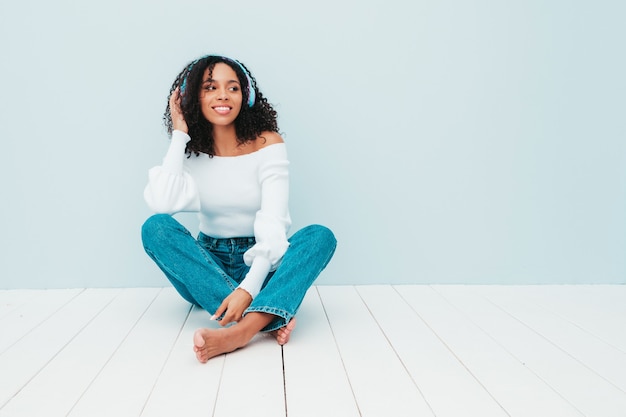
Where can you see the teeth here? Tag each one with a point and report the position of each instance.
(222, 108)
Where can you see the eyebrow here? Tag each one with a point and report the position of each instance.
(211, 80)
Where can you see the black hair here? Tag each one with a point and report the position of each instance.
(250, 122)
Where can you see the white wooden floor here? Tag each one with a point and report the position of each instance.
(375, 351)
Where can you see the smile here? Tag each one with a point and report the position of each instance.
(222, 109)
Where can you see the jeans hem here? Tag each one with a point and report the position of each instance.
(282, 317)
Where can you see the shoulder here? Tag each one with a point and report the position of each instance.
(268, 138)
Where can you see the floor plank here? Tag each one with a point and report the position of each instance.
(252, 381)
(139, 358)
(22, 361)
(598, 309)
(184, 387)
(31, 313)
(591, 351)
(12, 299)
(316, 381)
(380, 382)
(54, 391)
(435, 369)
(583, 388)
(517, 388)
(406, 350)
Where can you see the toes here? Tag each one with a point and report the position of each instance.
(198, 339)
(291, 325)
(283, 336)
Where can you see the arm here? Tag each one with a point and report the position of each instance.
(170, 189)
(271, 224)
(270, 229)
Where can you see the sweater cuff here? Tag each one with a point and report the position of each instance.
(173, 160)
(179, 135)
(253, 281)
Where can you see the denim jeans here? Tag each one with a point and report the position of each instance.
(206, 270)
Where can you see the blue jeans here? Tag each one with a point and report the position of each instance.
(206, 270)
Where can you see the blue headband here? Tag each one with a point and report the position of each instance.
(250, 88)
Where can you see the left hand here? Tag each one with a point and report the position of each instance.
(233, 306)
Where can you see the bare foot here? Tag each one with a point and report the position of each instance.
(209, 343)
(282, 334)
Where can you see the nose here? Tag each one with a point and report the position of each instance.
(222, 94)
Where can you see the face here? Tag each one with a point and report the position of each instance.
(220, 95)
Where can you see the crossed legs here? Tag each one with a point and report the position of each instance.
(198, 276)
(209, 343)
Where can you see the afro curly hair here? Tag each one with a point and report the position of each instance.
(249, 124)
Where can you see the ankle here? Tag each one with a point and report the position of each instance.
(252, 324)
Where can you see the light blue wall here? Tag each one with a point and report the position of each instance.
(443, 141)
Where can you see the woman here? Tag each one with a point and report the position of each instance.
(227, 162)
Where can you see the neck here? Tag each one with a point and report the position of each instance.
(225, 140)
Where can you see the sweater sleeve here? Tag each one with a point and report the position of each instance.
(271, 224)
(170, 189)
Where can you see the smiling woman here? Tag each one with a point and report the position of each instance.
(220, 95)
(227, 162)
(216, 81)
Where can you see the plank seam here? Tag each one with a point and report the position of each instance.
(113, 353)
(343, 364)
(449, 348)
(44, 320)
(169, 355)
(395, 351)
(573, 323)
(506, 350)
(59, 351)
(282, 358)
(552, 343)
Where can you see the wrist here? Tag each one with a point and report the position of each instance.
(180, 136)
(246, 292)
(183, 129)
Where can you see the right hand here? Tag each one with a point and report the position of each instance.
(233, 306)
(178, 120)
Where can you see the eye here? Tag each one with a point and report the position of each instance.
(234, 88)
(208, 87)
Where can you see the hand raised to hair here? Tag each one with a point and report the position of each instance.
(233, 306)
(178, 120)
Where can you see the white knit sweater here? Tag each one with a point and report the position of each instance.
(235, 196)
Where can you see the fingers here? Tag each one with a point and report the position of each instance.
(178, 120)
(233, 307)
(233, 313)
(229, 317)
(229, 311)
(220, 310)
(175, 99)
